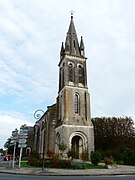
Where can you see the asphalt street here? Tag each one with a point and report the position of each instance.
(122, 172)
(30, 177)
(5, 163)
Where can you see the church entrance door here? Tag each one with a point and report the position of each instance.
(77, 146)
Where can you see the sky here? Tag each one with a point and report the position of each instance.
(31, 32)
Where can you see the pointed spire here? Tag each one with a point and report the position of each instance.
(81, 44)
(62, 52)
(82, 47)
(71, 44)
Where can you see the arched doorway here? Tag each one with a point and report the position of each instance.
(78, 143)
(77, 146)
(28, 151)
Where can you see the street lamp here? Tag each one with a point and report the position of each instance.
(37, 115)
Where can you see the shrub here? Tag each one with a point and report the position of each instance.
(129, 157)
(117, 154)
(62, 147)
(85, 156)
(50, 154)
(34, 154)
(58, 163)
(73, 154)
(67, 164)
(95, 157)
(34, 159)
(34, 162)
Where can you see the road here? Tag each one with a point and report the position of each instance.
(29, 177)
(5, 163)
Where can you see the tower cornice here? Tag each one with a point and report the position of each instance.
(73, 57)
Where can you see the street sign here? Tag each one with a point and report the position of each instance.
(23, 130)
(22, 141)
(15, 133)
(22, 136)
(14, 138)
(22, 145)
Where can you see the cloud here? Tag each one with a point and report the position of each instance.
(31, 33)
(23, 55)
(9, 121)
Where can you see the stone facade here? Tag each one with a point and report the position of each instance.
(68, 121)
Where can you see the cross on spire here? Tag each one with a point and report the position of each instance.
(72, 12)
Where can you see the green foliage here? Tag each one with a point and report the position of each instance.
(84, 165)
(129, 157)
(65, 164)
(52, 155)
(113, 133)
(117, 154)
(61, 164)
(34, 162)
(95, 157)
(34, 154)
(1, 151)
(73, 154)
(85, 155)
(58, 163)
(34, 159)
(62, 147)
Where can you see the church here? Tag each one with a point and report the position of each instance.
(68, 121)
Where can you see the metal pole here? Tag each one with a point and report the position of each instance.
(20, 157)
(43, 160)
(14, 155)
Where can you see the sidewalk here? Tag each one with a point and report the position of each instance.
(120, 170)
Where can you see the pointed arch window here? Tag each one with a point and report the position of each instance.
(80, 74)
(76, 104)
(70, 71)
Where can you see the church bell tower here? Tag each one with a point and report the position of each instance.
(74, 127)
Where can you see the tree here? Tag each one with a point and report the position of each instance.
(95, 157)
(9, 146)
(1, 151)
(112, 133)
(62, 147)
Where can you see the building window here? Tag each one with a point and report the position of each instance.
(76, 104)
(80, 74)
(70, 67)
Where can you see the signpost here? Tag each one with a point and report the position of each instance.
(22, 140)
(14, 140)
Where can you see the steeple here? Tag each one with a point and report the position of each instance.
(71, 43)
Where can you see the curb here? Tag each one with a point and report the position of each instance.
(70, 174)
(51, 174)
